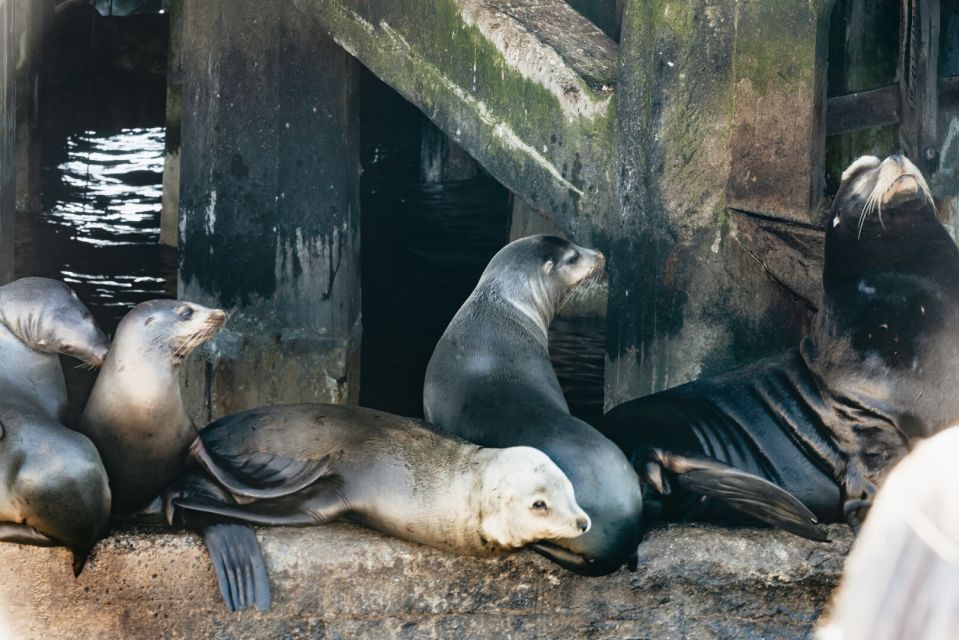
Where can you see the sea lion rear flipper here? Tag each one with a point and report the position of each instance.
(238, 563)
(744, 491)
(261, 475)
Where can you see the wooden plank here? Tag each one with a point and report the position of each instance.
(863, 110)
(8, 54)
(918, 75)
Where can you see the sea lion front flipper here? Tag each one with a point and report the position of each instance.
(323, 504)
(744, 491)
(24, 534)
(260, 475)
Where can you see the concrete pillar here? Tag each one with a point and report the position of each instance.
(719, 112)
(8, 124)
(34, 18)
(170, 210)
(269, 209)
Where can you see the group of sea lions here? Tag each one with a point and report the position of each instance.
(792, 440)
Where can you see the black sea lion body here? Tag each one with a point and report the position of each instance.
(879, 369)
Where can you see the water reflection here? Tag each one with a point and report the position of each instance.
(99, 228)
(110, 188)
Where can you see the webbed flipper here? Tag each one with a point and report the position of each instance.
(260, 475)
(233, 548)
(744, 491)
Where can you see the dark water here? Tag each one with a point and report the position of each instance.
(424, 246)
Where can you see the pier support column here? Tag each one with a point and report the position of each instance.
(33, 20)
(8, 133)
(170, 211)
(269, 208)
(720, 127)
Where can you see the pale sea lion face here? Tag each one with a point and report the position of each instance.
(170, 329)
(873, 193)
(542, 272)
(49, 317)
(528, 498)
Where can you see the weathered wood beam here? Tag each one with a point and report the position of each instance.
(524, 86)
(918, 75)
(863, 110)
(8, 201)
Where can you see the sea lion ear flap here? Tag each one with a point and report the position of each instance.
(744, 491)
(547, 266)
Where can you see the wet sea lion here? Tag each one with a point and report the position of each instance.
(311, 464)
(136, 418)
(491, 381)
(879, 368)
(53, 487)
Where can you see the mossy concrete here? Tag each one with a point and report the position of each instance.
(343, 581)
(525, 87)
(713, 127)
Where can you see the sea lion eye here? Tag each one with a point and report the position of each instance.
(573, 258)
(66, 349)
(185, 312)
(539, 505)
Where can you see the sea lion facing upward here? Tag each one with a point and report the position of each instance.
(136, 417)
(311, 464)
(53, 487)
(879, 368)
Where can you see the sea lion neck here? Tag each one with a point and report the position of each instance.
(535, 313)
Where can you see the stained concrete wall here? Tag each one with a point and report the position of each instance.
(343, 581)
(719, 105)
(269, 206)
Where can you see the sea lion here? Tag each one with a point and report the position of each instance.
(136, 418)
(491, 381)
(310, 464)
(53, 487)
(879, 368)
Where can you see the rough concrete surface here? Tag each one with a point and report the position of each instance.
(344, 581)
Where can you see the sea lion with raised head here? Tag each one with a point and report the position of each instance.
(136, 417)
(491, 381)
(53, 487)
(310, 464)
(879, 368)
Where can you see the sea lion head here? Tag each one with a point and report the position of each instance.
(47, 316)
(527, 498)
(539, 274)
(882, 214)
(167, 329)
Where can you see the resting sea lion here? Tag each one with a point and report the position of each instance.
(311, 464)
(879, 368)
(53, 487)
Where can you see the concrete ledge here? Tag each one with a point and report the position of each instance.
(343, 581)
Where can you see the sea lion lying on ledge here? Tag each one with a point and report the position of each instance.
(308, 464)
(879, 369)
